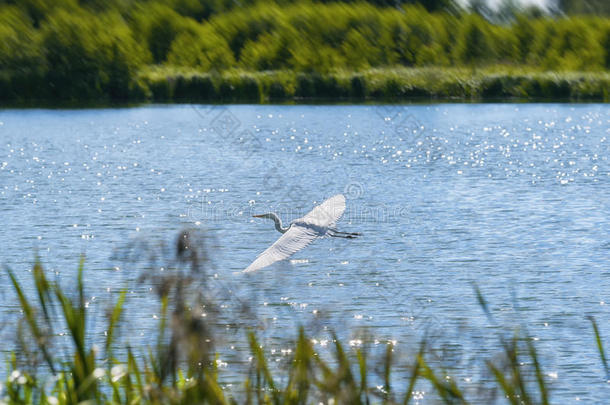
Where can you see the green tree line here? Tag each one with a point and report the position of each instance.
(70, 49)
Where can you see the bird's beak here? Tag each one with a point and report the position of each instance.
(257, 216)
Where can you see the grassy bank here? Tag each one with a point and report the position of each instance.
(181, 364)
(167, 85)
(402, 84)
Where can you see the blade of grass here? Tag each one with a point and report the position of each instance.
(415, 375)
(482, 302)
(544, 399)
(261, 364)
(387, 371)
(28, 311)
(114, 319)
(363, 380)
(600, 346)
(448, 391)
(507, 388)
(133, 368)
(43, 290)
(516, 371)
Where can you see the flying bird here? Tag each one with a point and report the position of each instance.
(301, 232)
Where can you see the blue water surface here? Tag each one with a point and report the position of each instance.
(512, 197)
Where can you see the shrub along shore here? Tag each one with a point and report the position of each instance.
(403, 84)
(376, 85)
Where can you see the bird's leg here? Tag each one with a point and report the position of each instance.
(345, 235)
(351, 233)
(341, 236)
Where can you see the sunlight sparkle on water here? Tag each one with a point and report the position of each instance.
(500, 195)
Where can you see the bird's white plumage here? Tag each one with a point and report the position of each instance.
(302, 232)
(328, 213)
(295, 239)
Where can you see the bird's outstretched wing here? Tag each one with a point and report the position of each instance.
(295, 239)
(302, 232)
(328, 213)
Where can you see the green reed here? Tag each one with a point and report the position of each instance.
(389, 84)
(181, 367)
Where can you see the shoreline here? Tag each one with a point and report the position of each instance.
(377, 86)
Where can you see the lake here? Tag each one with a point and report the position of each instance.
(512, 197)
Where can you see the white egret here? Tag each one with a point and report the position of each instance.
(301, 232)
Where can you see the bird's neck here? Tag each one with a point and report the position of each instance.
(278, 224)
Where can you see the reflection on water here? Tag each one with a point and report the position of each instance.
(512, 197)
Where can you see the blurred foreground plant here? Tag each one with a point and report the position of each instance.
(181, 367)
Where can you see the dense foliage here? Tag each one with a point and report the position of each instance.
(89, 49)
(377, 84)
